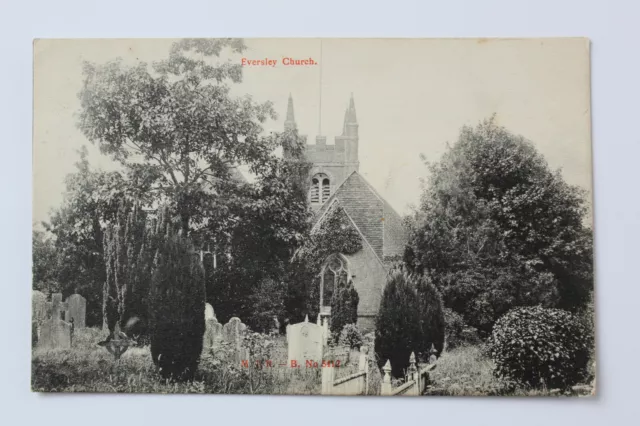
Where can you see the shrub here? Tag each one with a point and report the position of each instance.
(410, 319)
(534, 345)
(344, 306)
(457, 332)
(351, 336)
(267, 301)
(176, 315)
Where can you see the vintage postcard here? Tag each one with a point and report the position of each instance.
(313, 216)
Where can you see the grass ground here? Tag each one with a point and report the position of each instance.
(468, 371)
(90, 368)
(87, 367)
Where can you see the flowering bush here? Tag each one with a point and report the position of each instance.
(534, 345)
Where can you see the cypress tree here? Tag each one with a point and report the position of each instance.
(344, 306)
(176, 308)
(410, 319)
(431, 313)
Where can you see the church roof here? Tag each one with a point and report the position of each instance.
(374, 217)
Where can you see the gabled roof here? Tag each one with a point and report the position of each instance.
(376, 220)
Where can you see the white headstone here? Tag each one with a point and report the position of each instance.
(208, 312)
(305, 342)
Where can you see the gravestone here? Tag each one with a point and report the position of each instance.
(58, 308)
(213, 329)
(76, 310)
(233, 333)
(39, 307)
(208, 312)
(38, 314)
(55, 333)
(305, 341)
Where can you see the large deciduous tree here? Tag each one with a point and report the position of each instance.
(179, 133)
(175, 125)
(497, 228)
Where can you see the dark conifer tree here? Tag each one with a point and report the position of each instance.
(176, 308)
(344, 306)
(410, 320)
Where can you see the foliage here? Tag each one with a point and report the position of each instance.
(344, 306)
(351, 336)
(497, 228)
(45, 263)
(270, 220)
(410, 319)
(267, 300)
(175, 127)
(127, 257)
(335, 234)
(91, 199)
(457, 332)
(176, 307)
(431, 316)
(588, 319)
(179, 134)
(534, 345)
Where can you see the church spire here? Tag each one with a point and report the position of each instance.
(350, 119)
(290, 121)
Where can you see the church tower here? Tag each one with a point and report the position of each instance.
(331, 164)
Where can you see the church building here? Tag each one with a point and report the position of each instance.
(334, 180)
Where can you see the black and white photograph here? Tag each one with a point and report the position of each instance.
(313, 216)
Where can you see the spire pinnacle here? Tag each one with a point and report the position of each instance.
(349, 115)
(290, 121)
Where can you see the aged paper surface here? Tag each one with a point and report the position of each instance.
(313, 216)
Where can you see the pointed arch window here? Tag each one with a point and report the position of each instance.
(334, 268)
(320, 188)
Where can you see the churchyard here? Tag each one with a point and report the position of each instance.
(68, 357)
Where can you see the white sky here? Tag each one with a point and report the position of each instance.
(411, 96)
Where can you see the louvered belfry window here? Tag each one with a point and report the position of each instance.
(326, 188)
(320, 188)
(315, 191)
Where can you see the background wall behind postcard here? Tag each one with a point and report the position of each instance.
(616, 66)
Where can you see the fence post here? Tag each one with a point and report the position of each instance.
(363, 365)
(327, 379)
(385, 389)
(433, 358)
(412, 374)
